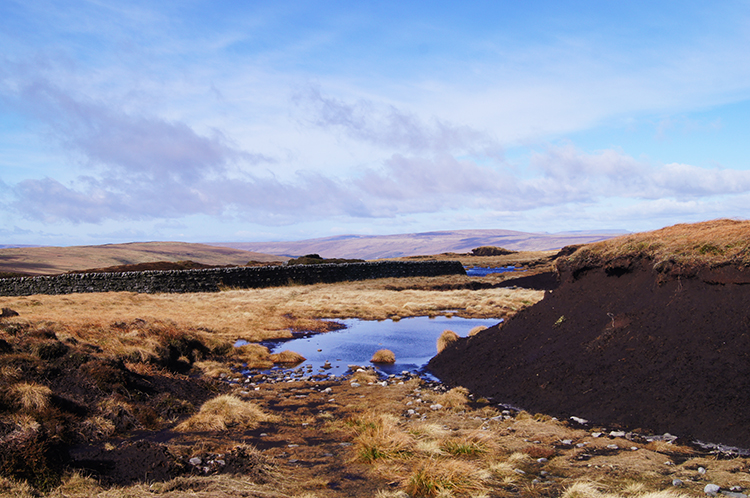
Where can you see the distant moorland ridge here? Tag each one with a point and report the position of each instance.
(414, 244)
(55, 260)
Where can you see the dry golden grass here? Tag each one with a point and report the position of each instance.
(455, 398)
(224, 412)
(32, 396)
(260, 314)
(378, 436)
(593, 490)
(710, 243)
(364, 376)
(254, 355)
(213, 369)
(446, 477)
(383, 356)
(287, 357)
(474, 331)
(445, 339)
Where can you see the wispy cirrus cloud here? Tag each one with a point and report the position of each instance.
(386, 125)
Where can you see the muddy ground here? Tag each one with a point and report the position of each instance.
(624, 346)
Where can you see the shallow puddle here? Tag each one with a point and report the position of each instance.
(479, 271)
(412, 340)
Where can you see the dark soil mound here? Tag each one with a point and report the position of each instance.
(626, 346)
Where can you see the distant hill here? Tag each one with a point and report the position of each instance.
(56, 260)
(414, 244)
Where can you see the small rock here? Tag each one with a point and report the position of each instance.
(327, 390)
(566, 442)
(711, 489)
(677, 482)
(701, 470)
(355, 384)
(732, 494)
(613, 447)
(292, 445)
(410, 412)
(617, 434)
(519, 471)
(221, 462)
(542, 460)
(436, 406)
(579, 420)
(195, 461)
(596, 434)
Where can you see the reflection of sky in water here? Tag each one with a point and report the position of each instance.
(478, 271)
(412, 340)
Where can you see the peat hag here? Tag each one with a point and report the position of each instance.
(622, 343)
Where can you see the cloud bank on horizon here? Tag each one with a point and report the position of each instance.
(206, 121)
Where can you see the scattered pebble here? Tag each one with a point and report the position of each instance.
(711, 489)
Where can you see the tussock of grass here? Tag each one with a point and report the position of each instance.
(446, 338)
(32, 396)
(383, 356)
(213, 369)
(16, 489)
(434, 477)
(364, 376)
(474, 331)
(455, 398)
(254, 355)
(224, 412)
(380, 437)
(686, 246)
(287, 357)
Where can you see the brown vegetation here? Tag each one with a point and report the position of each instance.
(56, 260)
(287, 357)
(446, 338)
(383, 356)
(684, 246)
(260, 314)
(225, 412)
(125, 371)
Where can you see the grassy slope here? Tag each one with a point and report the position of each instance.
(55, 260)
(687, 246)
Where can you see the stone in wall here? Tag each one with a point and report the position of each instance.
(213, 279)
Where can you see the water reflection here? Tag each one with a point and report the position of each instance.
(478, 271)
(413, 340)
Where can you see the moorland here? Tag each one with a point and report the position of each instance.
(125, 394)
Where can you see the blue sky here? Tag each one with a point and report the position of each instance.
(250, 121)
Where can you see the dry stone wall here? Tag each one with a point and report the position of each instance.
(212, 279)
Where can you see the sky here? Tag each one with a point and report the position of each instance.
(217, 121)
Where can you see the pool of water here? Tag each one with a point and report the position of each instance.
(412, 340)
(478, 271)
